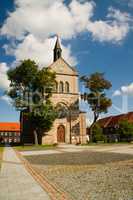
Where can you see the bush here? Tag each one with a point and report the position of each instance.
(126, 130)
(97, 133)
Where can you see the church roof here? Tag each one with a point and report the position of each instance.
(114, 120)
(10, 126)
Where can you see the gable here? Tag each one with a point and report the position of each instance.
(62, 67)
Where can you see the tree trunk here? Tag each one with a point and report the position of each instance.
(92, 125)
(40, 139)
(35, 137)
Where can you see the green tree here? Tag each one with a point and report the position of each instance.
(28, 78)
(97, 133)
(42, 118)
(31, 89)
(23, 74)
(126, 129)
(96, 96)
(44, 82)
(22, 79)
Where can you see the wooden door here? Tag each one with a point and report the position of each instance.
(61, 134)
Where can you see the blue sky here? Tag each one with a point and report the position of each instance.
(95, 36)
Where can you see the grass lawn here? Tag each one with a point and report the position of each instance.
(34, 147)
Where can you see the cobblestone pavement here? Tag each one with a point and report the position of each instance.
(15, 182)
(88, 175)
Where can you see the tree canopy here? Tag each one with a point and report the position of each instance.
(31, 89)
(24, 74)
(27, 80)
(96, 85)
(96, 96)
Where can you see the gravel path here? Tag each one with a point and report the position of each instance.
(89, 175)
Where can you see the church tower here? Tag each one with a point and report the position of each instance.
(57, 50)
(70, 125)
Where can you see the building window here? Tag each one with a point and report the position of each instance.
(1, 134)
(61, 87)
(15, 134)
(5, 140)
(10, 140)
(10, 134)
(55, 87)
(6, 134)
(67, 88)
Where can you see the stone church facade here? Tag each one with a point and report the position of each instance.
(70, 126)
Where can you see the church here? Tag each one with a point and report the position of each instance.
(70, 126)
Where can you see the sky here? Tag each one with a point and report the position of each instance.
(96, 36)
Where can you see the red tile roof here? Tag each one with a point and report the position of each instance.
(9, 126)
(114, 120)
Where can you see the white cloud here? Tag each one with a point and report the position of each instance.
(33, 23)
(4, 82)
(103, 31)
(6, 99)
(117, 93)
(121, 17)
(124, 90)
(39, 50)
(115, 29)
(44, 18)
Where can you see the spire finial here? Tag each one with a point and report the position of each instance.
(57, 49)
(57, 35)
(57, 45)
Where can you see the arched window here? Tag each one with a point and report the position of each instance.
(67, 88)
(61, 87)
(55, 87)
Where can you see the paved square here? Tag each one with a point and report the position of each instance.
(89, 174)
(15, 182)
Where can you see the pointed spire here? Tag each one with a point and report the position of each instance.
(57, 45)
(57, 50)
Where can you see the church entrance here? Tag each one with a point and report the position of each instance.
(61, 134)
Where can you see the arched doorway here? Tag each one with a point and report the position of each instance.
(61, 134)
